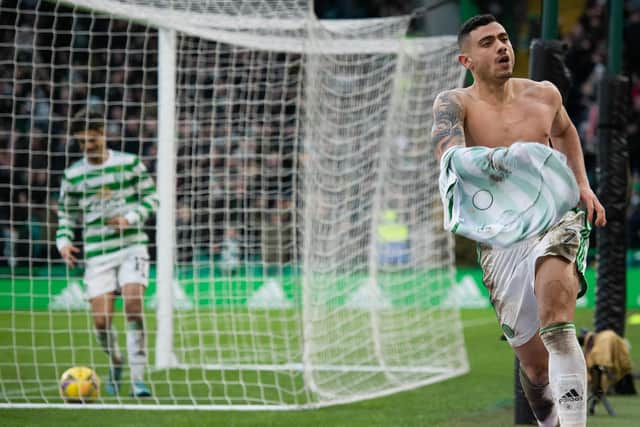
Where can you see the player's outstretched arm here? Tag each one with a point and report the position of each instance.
(448, 122)
(148, 204)
(565, 139)
(68, 212)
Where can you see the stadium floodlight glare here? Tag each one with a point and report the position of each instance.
(301, 259)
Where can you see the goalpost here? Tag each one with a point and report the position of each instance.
(301, 259)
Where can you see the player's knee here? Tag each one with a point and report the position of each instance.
(133, 299)
(101, 323)
(133, 309)
(559, 302)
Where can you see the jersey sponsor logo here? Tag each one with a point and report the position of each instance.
(102, 201)
(104, 193)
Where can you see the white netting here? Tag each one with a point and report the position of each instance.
(310, 265)
(370, 169)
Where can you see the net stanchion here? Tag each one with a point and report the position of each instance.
(612, 190)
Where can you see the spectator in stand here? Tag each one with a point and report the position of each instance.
(51, 67)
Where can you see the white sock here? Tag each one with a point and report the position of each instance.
(109, 342)
(540, 400)
(567, 373)
(136, 349)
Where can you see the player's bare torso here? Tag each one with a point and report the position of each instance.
(528, 116)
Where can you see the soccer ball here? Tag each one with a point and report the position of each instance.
(79, 385)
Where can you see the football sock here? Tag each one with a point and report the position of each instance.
(541, 401)
(108, 341)
(567, 373)
(136, 349)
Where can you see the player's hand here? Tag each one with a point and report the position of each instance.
(590, 202)
(68, 254)
(119, 223)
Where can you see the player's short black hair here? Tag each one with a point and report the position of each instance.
(86, 119)
(473, 23)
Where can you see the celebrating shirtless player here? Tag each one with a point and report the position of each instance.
(534, 295)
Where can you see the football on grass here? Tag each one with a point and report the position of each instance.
(79, 385)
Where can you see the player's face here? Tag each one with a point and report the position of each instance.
(92, 143)
(490, 53)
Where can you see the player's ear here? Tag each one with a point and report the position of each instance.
(465, 60)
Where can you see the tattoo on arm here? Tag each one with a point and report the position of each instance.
(448, 122)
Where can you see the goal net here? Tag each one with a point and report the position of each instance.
(298, 255)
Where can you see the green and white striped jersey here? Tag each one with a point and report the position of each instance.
(500, 196)
(91, 195)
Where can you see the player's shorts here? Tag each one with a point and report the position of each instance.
(128, 266)
(509, 273)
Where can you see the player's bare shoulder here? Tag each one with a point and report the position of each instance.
(450, 106)
(448, 120)
(452, 96)
(543, 91)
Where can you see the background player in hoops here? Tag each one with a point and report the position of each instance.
(110, 194)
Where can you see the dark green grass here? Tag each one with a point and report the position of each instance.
(484, 397)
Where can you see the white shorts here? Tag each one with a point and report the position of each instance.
(130, 266)
(509, 273)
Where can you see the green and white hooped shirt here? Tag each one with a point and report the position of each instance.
(90, 195)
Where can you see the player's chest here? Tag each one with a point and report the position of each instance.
(497, 127)
(105, 189)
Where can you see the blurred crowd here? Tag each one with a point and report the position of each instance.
(237, 130)
(236, 159)
(47, 73)
(587, 60)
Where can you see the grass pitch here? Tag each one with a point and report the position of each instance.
(484, 397)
